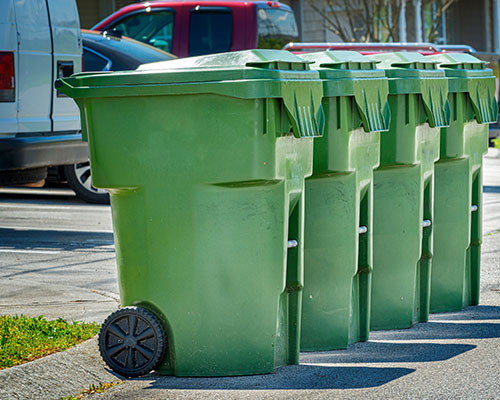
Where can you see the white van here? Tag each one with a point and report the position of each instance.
(39, 42)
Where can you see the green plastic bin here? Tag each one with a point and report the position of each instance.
(458, 179)
(403, 190)
(205, 160)
(339, 194)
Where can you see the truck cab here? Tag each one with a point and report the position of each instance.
(193, 28)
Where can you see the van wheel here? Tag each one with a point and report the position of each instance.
(22, 176)
(79, 179)
(132, 341)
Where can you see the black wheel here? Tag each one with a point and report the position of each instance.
(79, 179)
(132, 341)
(22, 176)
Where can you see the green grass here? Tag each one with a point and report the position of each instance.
(24, 339)
(101, 388)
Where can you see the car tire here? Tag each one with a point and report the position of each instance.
(79, 179)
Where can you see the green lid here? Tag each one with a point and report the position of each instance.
(246, 74)
(348, 73)
(413, 73)
(343, 63)
(469, 75)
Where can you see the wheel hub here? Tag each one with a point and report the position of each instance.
(130, 341)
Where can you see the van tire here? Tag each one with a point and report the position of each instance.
(22, 176)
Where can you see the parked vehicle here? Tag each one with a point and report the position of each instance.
(192, 28)
(104, 52)
(39, 42)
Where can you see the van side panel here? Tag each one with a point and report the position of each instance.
(8, 42)
(34, 48)
(67, 60)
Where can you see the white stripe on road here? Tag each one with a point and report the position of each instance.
(29, 251)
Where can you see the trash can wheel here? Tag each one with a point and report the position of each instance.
(132, 341)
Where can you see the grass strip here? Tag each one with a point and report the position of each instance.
(23, 339)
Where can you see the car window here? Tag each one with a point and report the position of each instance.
(154, 28)
(276, 27)
(210, 31)
(94, 62)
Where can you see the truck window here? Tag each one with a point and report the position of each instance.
(276, 27)
(154, 28)
(210, 30)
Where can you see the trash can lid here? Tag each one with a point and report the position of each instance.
(413, 73)
(461, 63)
(248, 74)
(405, 64)
(348, 73)
(343, 64)
(468, 74)
(222, 67)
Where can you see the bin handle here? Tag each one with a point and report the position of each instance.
(372, 104)
(64, 87)
(304, 109)
(435, 99)
(484, 104)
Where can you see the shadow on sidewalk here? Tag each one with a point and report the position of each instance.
(469, 313)
(491, 189)
(21, 239)
(297, 377)
(379, 352)
(454, 325)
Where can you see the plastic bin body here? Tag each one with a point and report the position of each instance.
(337, 258)
(403, 191)
(458, 177)
(207, 186)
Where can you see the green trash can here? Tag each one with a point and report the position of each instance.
(205, 160)
(339, 196)
(458, 180)
(403, 190)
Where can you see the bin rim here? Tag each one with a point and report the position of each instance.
(257, 74)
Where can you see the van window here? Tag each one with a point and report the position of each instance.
(210, 30)
(154, 28)
(276, 27)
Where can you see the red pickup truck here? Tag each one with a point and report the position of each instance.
(192, 28)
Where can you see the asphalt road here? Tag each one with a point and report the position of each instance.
(56, 248)
(56, 255)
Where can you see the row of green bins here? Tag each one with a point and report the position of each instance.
(224, 269)
(339, 194)
(205, 160)
(403, 190)
(458, 182)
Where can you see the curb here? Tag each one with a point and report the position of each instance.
(61, 374)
